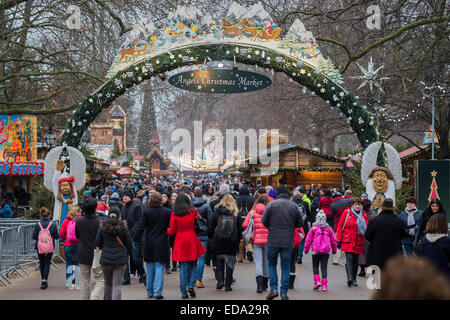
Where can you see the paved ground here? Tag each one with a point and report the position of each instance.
(243, 289)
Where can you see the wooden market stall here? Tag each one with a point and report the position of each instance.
(298, 166)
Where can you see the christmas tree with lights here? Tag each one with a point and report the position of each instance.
(148, 124)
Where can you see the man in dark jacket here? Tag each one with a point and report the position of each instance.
(132, 213)
(384, 233)
(86, 228)
(281, 217)
(245, 203)
(204, 209)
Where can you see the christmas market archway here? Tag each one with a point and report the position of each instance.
(311, 71)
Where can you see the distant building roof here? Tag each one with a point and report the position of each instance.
(117, 111)
(411, 151)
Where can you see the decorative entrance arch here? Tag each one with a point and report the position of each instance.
(175, 46)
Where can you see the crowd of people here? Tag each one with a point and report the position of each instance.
(13, 202)
(136, 229)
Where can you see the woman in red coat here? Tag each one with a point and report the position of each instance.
(187, 247)
(350, 236)
(324, 204)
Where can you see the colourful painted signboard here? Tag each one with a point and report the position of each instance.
(18, 139)
(21, 169)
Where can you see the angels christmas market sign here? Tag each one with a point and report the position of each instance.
(189, 40)
(220, 81)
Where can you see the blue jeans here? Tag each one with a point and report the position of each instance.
(300, 249)
(188, 273)
(69, 252)
(155, 278)
(201, 260)
(285, 257)
(408, 246)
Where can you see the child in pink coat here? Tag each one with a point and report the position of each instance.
(320, 239)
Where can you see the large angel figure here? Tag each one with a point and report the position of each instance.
(381, 182)
(64, 181)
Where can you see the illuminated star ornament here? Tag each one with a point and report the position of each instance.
(371, 76)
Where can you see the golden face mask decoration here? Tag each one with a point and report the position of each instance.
(380, 181)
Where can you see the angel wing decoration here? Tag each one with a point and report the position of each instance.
(77, 167)
(369, 160)
(394, 164)
(50, 166)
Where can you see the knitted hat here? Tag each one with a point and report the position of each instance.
(321, 218)
(129, 193)
(115, 195)
(273, 193)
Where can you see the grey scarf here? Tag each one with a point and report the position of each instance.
(360, 223)
(411, 221)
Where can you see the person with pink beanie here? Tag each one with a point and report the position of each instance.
(320, 239)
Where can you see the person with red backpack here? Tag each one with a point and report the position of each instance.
(67, 233)
(45, 232)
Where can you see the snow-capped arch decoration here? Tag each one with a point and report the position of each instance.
(246, 35)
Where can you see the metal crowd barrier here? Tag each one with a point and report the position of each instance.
(17, 248)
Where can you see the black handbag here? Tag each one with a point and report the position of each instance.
(201, 225)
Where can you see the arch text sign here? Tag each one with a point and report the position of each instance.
(220, 81)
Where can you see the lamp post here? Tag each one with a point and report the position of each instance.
(50, 138)
(427, 92)
(378, 108)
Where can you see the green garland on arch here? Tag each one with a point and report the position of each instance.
(256, 169)
(314, 79)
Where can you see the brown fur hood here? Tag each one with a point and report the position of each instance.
(113, 226)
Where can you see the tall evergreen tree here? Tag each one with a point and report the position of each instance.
(148, 122)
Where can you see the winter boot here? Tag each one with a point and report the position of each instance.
(349, 271)
(316, 282)
(324, 284)
(291, 281)
(265, 283)
(220, 279)
(363, 271)
(354, 273)
(250, 256)
(228, 278)
(272, 294)
(259, 284)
